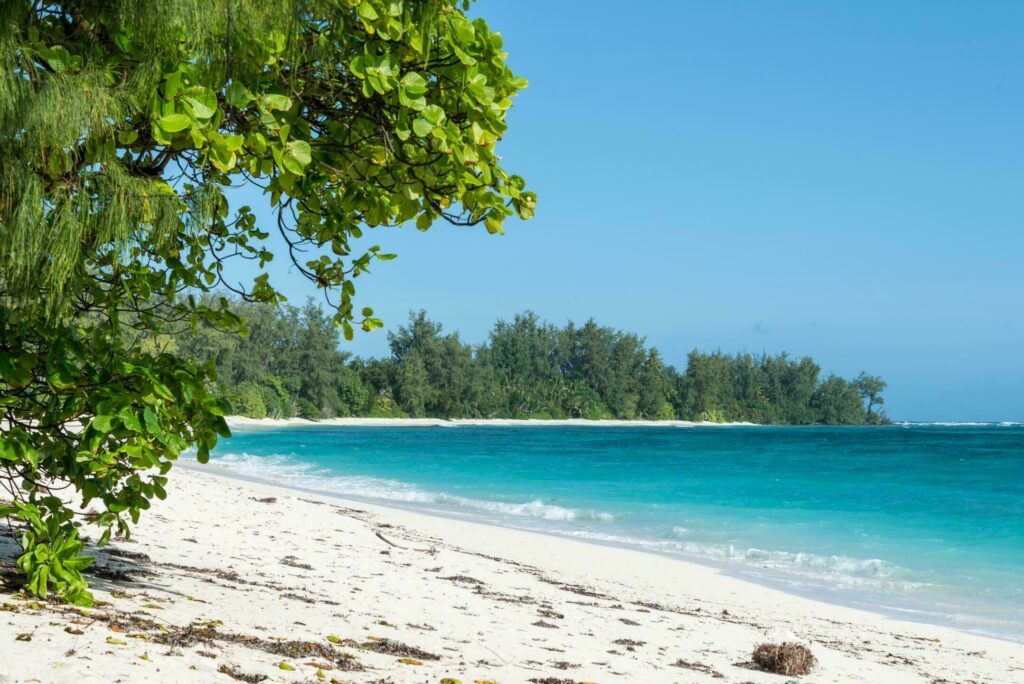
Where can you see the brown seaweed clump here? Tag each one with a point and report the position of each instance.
(785, 659)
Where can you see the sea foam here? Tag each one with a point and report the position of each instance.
(285, 470)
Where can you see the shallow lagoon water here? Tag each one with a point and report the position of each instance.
(922, 521)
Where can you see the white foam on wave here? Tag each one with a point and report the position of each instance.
(835, 570)
(287, 471)
(948, 423)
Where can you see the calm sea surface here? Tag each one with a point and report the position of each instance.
(922, 521)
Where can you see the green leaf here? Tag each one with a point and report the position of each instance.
(299, 150)
(238, 95)
(57, 57)
(367, 12)
(421, 127)
(9, 450)
(172, 123)
(102, 423)
(152, 425)
(433, 113)
(172, 84)
(201, 101)
(413, 83)
(272, 101)
(411, 90)
(129, 419)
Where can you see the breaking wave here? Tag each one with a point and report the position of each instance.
(837, 571)
(286, 471)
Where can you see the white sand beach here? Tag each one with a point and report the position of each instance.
(231, 580)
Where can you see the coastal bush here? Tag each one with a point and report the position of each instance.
(248, 401)
(124, 126)
(308, 410)
(666, 412)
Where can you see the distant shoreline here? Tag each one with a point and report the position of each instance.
(243, 422)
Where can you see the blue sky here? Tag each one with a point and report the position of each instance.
(841, 180)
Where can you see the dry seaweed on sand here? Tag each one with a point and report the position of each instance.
(206, 632)
(237, 675)
(785, 659)
(463, 579)
(397, 648)
(698, 667)
(294, 562)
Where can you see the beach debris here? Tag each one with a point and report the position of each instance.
(125, 554)
(410, 661)
(334, 639)
(423, 628)
(25, 636)
(630, 644)
(285, 666)
(397, 648)
(698, 667)
(541, 623)
(206, 633)
(116, 642)
(319, 666)
(237, 675)
(450, 680)
(787, 658)
(294, 562)
(463, 579)
(264, 500)
(548, 613)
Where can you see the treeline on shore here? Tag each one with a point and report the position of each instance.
(291, 365)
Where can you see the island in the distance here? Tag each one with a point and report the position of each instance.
(290, 365)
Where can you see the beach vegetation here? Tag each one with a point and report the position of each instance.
(526, 369)
(143, 146)
(870, 388)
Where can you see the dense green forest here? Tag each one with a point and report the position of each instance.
(290, 365)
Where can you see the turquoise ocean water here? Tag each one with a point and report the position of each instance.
(925, 522)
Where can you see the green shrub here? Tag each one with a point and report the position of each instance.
(385, 407)
(308, 410)
(666, 412)
(248, 401)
